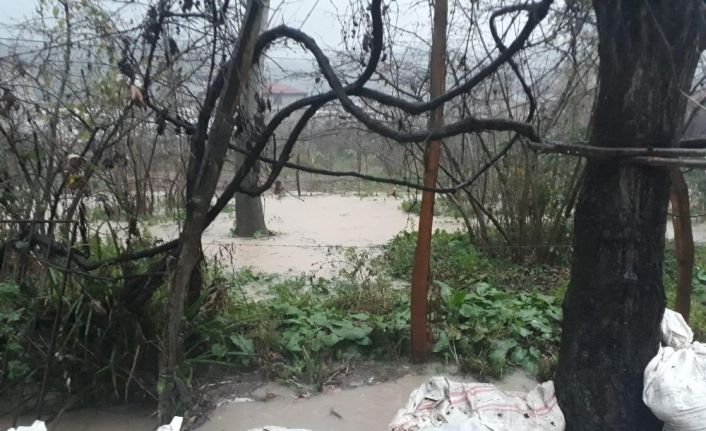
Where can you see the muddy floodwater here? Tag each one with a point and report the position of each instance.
(369, 407)
(309, 237)
(309, 234)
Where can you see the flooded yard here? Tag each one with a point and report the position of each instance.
(369, 404)
(309, 234)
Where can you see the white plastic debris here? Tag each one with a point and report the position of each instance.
(445, 405)
(276, 428)
(174, 425)
(234, 401)
(675, 379)
(36, 426)
(676, 333)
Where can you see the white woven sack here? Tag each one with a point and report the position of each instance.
(675, 331)
(675, 387)
(445, 405)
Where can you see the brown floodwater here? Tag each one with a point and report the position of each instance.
(308, 233)
(368, 407)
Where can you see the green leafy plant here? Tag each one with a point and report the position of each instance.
(442, 207)
(497, 328)
(454, 258)
(697, 319)
(15, 364)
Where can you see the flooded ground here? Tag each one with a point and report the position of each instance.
(370, 406)
(309, 237)
(120, 418)
(698, 230)
(309, 234)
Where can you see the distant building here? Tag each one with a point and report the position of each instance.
(281, 95)
(696, 119)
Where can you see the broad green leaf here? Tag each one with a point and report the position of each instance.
(9, 291)
(365, 341)
(319, 319)
(219, 350)
(445, 290)
(499, 350)
(353, 332)
(331, 340)
(518, 355)
(245, 345)
(441, 344)
(524, 332)
(466, 311)
(482, 288)
(292, 341)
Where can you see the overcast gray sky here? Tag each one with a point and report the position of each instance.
(316, 17)
(16, 9)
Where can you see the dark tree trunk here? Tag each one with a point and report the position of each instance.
(208, 164)
(648, 53)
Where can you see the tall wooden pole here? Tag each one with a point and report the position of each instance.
(683, 241)
(420, 270)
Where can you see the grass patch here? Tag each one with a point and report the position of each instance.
(455, 261)
(442, 207)
(697, 319)
(486, 330)
(487, 315)
(301, 327)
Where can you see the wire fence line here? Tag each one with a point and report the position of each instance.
(229, 253)
(377, 246)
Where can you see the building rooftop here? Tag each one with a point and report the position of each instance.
(279, 88)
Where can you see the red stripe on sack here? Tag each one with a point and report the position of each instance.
(456, 397)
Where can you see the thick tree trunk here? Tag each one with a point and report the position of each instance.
(249, 212)
(208, 165)
(683, 241)
(648, 52)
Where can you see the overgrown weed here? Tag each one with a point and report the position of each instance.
(487, 315)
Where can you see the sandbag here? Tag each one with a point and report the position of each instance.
(676, 333)
(675, 387)
(36, 426)
(445, 405)
(675, 379)
(174, 425)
